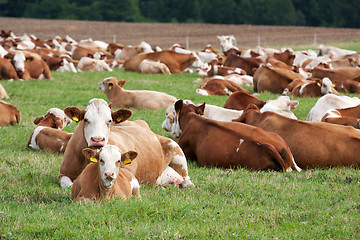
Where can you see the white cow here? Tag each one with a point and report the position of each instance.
(227, 42)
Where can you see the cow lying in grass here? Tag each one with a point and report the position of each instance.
(111, 173)
(48, 134)
(139, 99)
(160, 160)
(149, 66)
(9, 114)
(228, 144)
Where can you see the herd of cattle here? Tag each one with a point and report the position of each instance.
(108, 156)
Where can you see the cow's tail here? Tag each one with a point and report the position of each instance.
(273, 155)
(288, 157)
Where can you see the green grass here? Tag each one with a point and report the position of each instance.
(224, 204)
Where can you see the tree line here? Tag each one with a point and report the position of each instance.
(324, 13)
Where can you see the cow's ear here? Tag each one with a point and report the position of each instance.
(178, 106)
(121, 115)
(121, 83)
(38, 119)
(74, 113)
(9, 56)
(58, 124)
(91, 154)
(29, 59)
(318, 82)
(110, 86)
(201, 109)
(127, 157)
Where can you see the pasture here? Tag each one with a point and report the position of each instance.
(224, 204)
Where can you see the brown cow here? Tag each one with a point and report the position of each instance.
(313, 144)
(9, 115)
(311, 88)
(273, 79)
(228, 144)
(219, 87)
(176, 62)
(48, 134)
(111, 174)
(240, 100)
(160, 160)
(7, 70)
(82, 51)
(343, 116)
(248, 64)
(224, 71)
(337, 76)
(139, 99)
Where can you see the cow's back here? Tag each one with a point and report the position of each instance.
(9, 115)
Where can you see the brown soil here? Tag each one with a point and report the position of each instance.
(166, 34)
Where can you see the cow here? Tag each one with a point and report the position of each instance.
(330, 101)
(223, 71)
(312, 144)
(7, 70)
(176, 62)
(3, 93)
(86, 51)
(9, 114)
(128, 52)
(160, 160)
(154, 67)
(343, 116)
(48, 134)
(248, 64)
(337, 76)
(110, 174)
(240, 100)
(29, 65)
(273, 79)
(228, 144)
(91, 65)
(235, 78)
(227, 42)
(286, 57)
(219, 87)
(316, 88)
(139, 99)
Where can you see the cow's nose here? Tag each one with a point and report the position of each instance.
(109, 175)
(97, 141)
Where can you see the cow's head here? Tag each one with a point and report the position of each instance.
(169, 120)
(54, 118)
(110, 160)
(109, 84)
(97, 118)
(182, 109)
(326, 86)
(19, 61)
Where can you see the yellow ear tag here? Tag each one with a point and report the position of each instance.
(127, 161)
(28, 60)
(93, 159)
(319, 84)
(118, 119)
(333, 85)
(201, 112)
(9, 59)
(110, 87)
(75, 119)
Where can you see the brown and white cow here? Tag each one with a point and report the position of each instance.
(248, 64)
(273, 79)
(240, 100)
(176, 62)
(153, 67)
(311, 88)
(343, 116)
(29, 65)
(312, 144)
(110, 174)
(139, 99)
(91, 65)
(337, 76)
(224, 71)
(9, 114)
(48, 134)
(330, 101)
(228, 144)
(219, 87)
(7, 70)
(160, 160)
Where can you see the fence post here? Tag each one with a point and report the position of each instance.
(259, 43)
(315, 39)
(114, 39)
(187, 42)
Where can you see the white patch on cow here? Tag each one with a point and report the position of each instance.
(33, 143)
(98, 122)
(302, 88)
(109, 155)
(238, 70)
(19, 61)
(216, 69)
(241, 141)
(65, 182)
(134, 183)
(228, 92)
(202, 92)
(297, 168)
(169, 177)
(326, 86)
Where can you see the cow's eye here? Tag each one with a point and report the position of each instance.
(110, 121)
(101, 161)
(86, 120)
